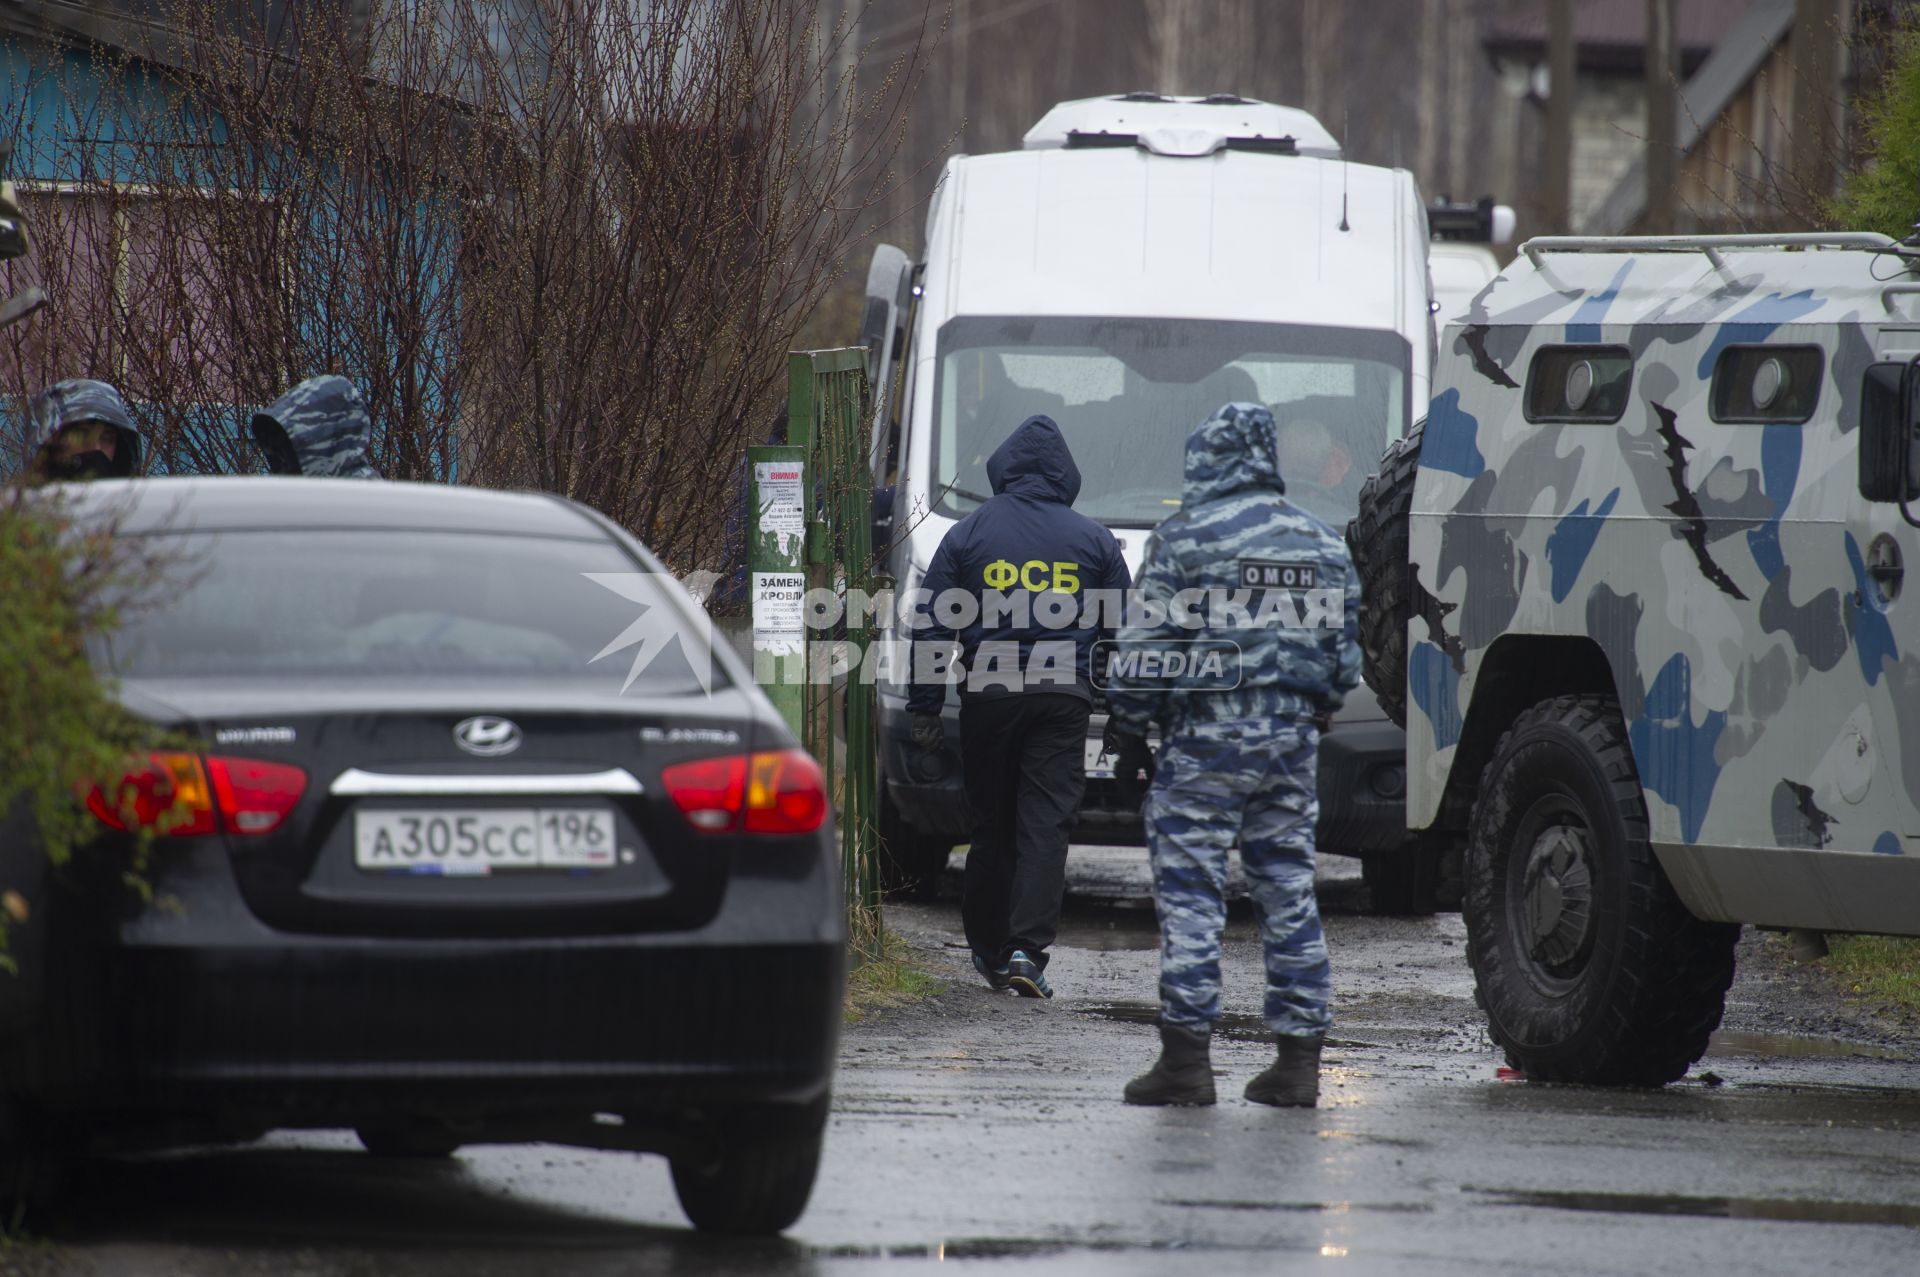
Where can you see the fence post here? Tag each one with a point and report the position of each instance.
(828, 409)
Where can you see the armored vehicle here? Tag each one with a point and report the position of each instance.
(1636, 590)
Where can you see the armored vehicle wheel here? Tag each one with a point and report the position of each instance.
(1589, 967)
(910, 859)
(1378, 538)
(753, 1188)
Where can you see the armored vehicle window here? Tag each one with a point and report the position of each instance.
(1579, 383)
(1766, 383)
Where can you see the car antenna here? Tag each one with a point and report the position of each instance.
(1346, 122)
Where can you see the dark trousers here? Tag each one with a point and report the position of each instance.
(1026, 768)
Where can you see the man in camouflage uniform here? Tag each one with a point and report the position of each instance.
(1238, 764)
(81, 429)
(319, 429)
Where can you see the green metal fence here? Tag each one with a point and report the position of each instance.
(831, 705)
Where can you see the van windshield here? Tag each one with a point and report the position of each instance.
(1125, 392)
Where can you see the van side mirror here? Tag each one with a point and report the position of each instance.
(1890, 433)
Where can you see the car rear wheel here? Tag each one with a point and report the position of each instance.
(1588, 966)
(38, 1159)
(753, 1186)
(420, 1139)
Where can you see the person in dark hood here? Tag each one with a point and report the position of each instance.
(1011, 583)
(1238, 763)
(319, 428)
(81, 430)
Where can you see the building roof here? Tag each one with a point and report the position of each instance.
(1612, 34)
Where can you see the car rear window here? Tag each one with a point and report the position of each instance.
(370, 604)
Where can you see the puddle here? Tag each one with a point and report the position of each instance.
(1305, 1208)
(1777, 1208)
(1011, 1248)
(1729, 1042)
(1238, 1026)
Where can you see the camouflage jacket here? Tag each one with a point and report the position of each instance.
(319, 428)
(71, 402)
(1244, 571)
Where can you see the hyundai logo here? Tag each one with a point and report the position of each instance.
(487, 736)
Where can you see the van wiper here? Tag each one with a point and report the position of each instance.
(953, 491)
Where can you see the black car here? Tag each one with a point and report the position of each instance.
(466, 832)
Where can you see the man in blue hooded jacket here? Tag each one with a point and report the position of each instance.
(1011, 582)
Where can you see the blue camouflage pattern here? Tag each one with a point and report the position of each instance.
(1250, 782)
(1234, 512)
(320, 429)
(1239, 766)
(72, 402)
(1710, 552)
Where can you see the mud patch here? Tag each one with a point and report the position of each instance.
(1793, 1210)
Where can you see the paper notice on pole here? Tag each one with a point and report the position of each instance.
(779, 611)
(783, 509)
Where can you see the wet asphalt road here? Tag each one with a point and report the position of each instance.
(986, 1129)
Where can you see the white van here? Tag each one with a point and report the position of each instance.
(1141, 261)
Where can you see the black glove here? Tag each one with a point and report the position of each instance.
(928, 734)
(1132, 763)
(1324, 721)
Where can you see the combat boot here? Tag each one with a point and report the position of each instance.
(1293, 1079)
(1182, 1075)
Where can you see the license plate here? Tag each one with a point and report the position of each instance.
(1099, 768)
(483, 841)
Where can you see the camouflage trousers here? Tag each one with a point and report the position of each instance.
(1249, 782)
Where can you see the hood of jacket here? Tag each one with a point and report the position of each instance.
(1035, 462)
(1235, 449)
(76, 400)
(320, 428)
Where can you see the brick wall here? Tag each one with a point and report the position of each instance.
(1609, 133)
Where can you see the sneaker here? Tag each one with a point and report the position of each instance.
(997, 977)
(1024, 974)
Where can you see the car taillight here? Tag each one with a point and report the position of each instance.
(786, 794)
(708, 791)
(778, 792)
(173, 796)
(255, 796)
(169, 796)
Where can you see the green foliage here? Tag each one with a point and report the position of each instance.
(895, 978)
(1884, 195)
(59, 722)
(1884, 968)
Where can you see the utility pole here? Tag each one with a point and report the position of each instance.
(1562, 76)
(1663, 136)
(1814, 48)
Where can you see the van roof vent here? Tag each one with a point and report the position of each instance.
(1186, 142)
(1182, 126)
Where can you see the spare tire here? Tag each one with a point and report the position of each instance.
(1378, 540)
